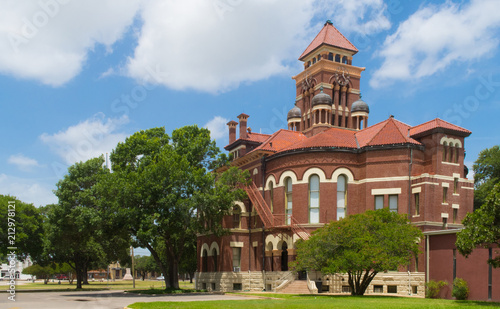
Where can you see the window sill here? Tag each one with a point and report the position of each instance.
(445, 204)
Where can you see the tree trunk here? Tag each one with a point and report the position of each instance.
(84, 274)
(159, 263)
(191, 275)
(78, 276)
(173, 274)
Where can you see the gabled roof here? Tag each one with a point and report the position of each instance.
(437, 123)
(256, 137)
(280, 140)
(329, 35)
(333, 137)
(251, 137)
(390, 131)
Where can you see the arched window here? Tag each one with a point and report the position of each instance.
(288, 199)
(337, 58)
(214, 255)
(314, 60)
(456, 153)
(271, 195)
(204, 260)
(330, 56)
(450, 153)
(284, 257)
(314, 199)
(445, 149)
(319, 57)
(236, 217)
(341, 196)
(344, 59)
(309, 63)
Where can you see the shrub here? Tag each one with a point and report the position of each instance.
(432, 288)
(460, 289)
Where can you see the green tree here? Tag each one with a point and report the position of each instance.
(25, 227)
(486, 174)
(482, 227)
(41, 272)
(79, 230)
(164, 187)
(144, 265)
(189, 264)
(65, 268)
(360, 245)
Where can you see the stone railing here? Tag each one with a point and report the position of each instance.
(311, 285)
(284, 281)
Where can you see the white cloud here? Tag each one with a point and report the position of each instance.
(435, 37)
(27, 190)
(107, 73)
(48, 40)
(22, 162)
(361, 16)
(213, 46)
(88, 139)
(218, 128)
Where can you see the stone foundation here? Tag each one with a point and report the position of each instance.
(390, 283)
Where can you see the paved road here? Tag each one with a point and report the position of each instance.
(95, 300)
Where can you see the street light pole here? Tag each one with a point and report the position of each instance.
(133, 271)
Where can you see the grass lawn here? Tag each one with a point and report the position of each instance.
(116, 285)
(316, 301)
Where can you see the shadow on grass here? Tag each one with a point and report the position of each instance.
(165, 291)
(458, 302)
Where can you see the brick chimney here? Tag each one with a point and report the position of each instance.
(243, 125)
(232, 131)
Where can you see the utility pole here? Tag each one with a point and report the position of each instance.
(133, 270)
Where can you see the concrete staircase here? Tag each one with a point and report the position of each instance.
(296, 287)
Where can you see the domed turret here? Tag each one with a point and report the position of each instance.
(294, 117)
(321, 99)
(294, 113)
(360, 106)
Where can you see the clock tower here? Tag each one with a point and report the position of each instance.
(328, 92)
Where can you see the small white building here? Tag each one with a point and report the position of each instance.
(19, 266)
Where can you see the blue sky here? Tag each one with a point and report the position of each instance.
(76, 77)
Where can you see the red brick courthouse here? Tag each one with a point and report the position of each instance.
(330, 163)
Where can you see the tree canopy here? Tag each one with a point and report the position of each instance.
(360, 245)
(482, 227)
(486, 174)
(79, 230)
(26, 225)
(164, 188)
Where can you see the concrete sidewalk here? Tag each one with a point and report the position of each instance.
(97, 300)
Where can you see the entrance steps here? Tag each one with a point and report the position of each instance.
(296, 287)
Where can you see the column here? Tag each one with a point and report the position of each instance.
(336, 104)
(343, 104)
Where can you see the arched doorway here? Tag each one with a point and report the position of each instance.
(284, 257)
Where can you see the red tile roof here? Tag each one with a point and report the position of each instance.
(281, 139)
(333, 137)
(331, 36)
(256, 137)
(437, 123)
(387, 132)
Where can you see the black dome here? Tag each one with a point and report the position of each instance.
(294, 113)
(360, 106)
(321, 98)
